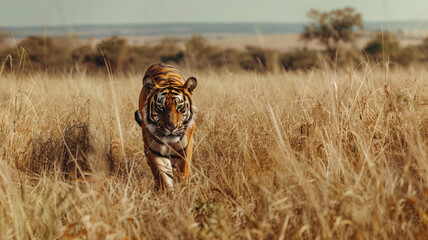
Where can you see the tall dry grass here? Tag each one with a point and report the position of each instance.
(319, 155)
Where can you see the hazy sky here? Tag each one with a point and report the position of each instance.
(74, 12)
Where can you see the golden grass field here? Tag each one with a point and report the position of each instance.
(319, 155)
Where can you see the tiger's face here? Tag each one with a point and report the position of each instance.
(169, 113)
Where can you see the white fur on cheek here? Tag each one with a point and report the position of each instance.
(151, 129)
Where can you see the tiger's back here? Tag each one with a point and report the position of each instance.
(165, 75)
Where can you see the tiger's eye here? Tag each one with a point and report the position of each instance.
(180, 105)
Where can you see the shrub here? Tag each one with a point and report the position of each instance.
(45, 53)
(115, 51)
(175, 58)
(170, 52)
(422, 49)
(258, 59)
(63, 54)
(299, 59)
(386, 47)
(86, 56)
(200, 54)
(407, 55)
(383, 47)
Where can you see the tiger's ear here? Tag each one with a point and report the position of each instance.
(148, 83)
(190, 84)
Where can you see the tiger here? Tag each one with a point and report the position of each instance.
(166, 116)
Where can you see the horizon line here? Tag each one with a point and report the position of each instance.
(201, 22)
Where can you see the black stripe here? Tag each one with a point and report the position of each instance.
(169, 175)
(155, 72)
(149, 114)
(155, 138)
(177, 156)
(156, 68)
(157, 153)
(181, 138)
(190, 117)
(170, 156)
(138, 118)
(163, 72)
(190, 109)
(170, 71)
(172, 89)
(173, 80)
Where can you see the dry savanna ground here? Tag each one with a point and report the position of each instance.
(319, 155)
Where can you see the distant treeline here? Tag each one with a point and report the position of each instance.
(333, 29)
(63, 54)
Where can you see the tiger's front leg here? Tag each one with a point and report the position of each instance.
(162, 171)
(181, 168)
(183, 163)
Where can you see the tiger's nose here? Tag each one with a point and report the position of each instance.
(171, 128)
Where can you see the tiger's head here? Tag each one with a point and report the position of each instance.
(168, 111)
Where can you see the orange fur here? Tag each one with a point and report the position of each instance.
(165, 79)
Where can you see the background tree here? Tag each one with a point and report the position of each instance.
(330, 28)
